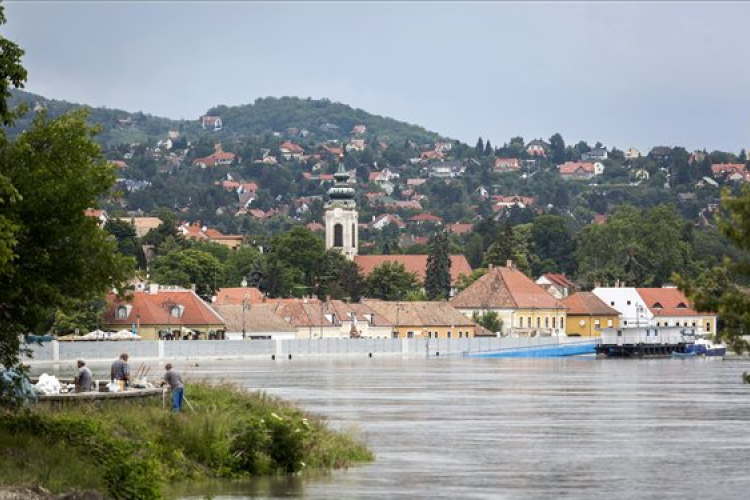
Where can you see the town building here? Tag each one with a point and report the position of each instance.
(423, 319)
(161, 313)
(587, 315)
(576, 170)
(524, 307)
(647, 307)
(559, 285)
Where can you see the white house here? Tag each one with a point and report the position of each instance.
(660, 307)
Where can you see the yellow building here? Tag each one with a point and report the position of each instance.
(588, 314)
(524, 307)
(424, 319)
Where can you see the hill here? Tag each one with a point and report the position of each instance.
(319, 119)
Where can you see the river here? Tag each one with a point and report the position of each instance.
(517, 428)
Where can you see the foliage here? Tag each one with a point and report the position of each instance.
(133, 451)
(58, 173)
(489, 320)
(438, 273)
(465, 282)
(297, 254)
(718, 289)
(189, 267)
(391, 281)
(80, 316)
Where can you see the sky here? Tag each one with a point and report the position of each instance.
(628, 74)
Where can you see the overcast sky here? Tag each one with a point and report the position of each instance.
(626, 74)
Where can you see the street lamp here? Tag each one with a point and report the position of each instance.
(244, 308)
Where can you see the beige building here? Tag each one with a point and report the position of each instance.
(424, 319)
(524, 307)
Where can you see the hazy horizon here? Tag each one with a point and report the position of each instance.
(626, 74)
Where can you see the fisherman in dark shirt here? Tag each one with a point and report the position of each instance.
(174, 379)
(84, 380)
(120, 372)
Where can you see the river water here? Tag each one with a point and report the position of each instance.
(516, 428)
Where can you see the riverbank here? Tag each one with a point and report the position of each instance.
(135, 451)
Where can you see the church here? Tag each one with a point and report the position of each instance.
(342, 234)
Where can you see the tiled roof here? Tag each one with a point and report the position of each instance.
(560, 280)
(419, 313)
(226, 296)
(587, 304)
(152, 309)
(343, 311)
(721, 168)
(425, 217)
(300, 312)
(505, 288)
(257, 318)
(460, 228)
(291, 147)
(666, 302)
(571, 167)
(416, 264)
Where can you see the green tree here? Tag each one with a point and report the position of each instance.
(339, 278)
(298, 253)
(391, 281)
(501, 251)
(189, 267)
(127, 239)
(79, 315)
(553, 244)
(240, 265)
(479, 148)
(437, 282)
(721, 289)
(489, 320)
(58, 173)
(557, 149)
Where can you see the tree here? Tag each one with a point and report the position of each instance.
(721, 289)
(189, 267)
(79, 316)
(489, 320)
(127, 240)
(240, 265)
(437, 282)
(391, 281)
(488, 151)
(553, 242)
(58, 173)
(557, 149)
(501, 251)
(479, 148)
(339, 278)
(298, 253)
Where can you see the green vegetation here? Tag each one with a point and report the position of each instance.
(133, 451)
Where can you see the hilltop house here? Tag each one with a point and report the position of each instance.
(291, 151)
(211, 123)
(596, 154)
(524, 307)
(728, 169)
(507, 165)
(580, 170)
(537, 147)
(218, 158)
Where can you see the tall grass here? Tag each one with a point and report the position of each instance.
(132, 451)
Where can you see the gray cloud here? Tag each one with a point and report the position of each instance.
(627, 74)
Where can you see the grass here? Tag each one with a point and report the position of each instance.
(134, 451)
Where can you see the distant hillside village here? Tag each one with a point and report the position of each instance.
(332, 217)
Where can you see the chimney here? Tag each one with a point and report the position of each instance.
(617, 283)
(509, 264)
(153, 288)
(489, 268)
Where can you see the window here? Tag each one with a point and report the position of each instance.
(122, 312)
(612, 303)
(460, 334)
(562, 322)
(554, 322)
(338, 236)
(449, 334)
(628, 302)
(597, 325)
(708, 326)
(354, 236)
(528, 322)
(538, 322)
(626, 322)
(546, 322)
(176, 311)
(609, 323)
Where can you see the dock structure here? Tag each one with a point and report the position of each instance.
(644, 342)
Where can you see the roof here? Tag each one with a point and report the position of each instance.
(256, 318)
(227, 296)
(571, 167)
(291, 147)
(720, 168)
(666, 302)
(419, 313)
(343, 311)
(425, 217)
(505, 288)
(559, 279)
(300, 312)
(153, 309)
(460, 228)
(416, 264)
(587, 304)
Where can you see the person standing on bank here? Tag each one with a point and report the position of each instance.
(120, 371)
(84, 380)
(174, 379)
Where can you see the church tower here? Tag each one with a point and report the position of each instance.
(342, 230)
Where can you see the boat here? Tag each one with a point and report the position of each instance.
(706, 347)
(686, 354)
